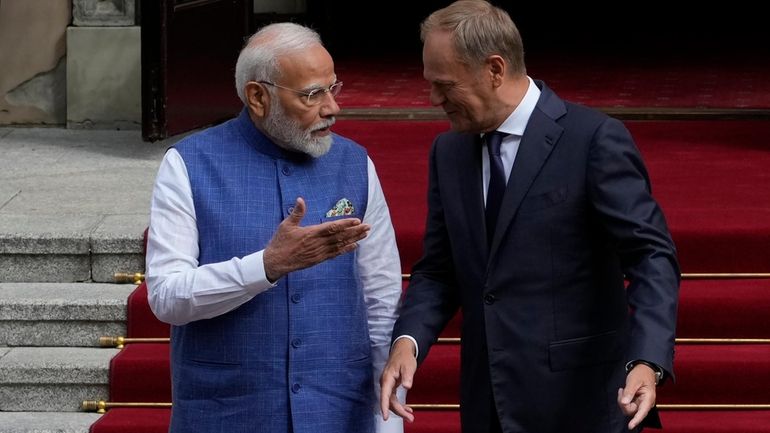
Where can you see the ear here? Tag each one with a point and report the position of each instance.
(496, 67)
(257, 99)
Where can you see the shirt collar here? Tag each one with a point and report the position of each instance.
(517, 121)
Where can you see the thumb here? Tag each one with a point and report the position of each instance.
(406, 374)
(298, 212)
(627, 394)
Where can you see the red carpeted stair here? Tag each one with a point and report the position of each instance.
(713, 181)
(671, 82)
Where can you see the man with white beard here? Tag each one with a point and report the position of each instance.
(272, 255)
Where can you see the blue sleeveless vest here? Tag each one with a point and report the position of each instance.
(295, 358)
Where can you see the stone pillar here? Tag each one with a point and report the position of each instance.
(104, 66)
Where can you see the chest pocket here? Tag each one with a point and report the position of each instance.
(545, 200)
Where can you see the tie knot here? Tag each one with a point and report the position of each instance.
(494, 139)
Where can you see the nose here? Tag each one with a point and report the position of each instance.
(329, 106)
(437, 97)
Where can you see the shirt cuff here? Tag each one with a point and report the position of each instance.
(253, 272)
(416, 347)
(660, 373)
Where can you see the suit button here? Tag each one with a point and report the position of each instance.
(286, 170)
(489, 299)
(295, 343)
(295, 298)
(295, 388)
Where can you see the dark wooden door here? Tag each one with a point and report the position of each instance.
(189, 50)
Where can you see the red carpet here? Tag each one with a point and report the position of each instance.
(713, 181)
(724, 309)
(706, 374)
(711, 178)
(141, 322)
(689, 82)
(141, 372)
(133, 421)
(737, 421)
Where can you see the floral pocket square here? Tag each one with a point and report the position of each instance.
(342, 208)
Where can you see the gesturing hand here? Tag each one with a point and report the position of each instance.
(638, 397)
(398, 371)
(293, 247)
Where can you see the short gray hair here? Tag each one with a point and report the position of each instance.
(478, 30)
(259, 57)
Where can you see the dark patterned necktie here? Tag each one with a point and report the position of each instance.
(497, 181)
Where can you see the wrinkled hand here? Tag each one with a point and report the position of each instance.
(398, 371)
(638, 397)
(293, 247)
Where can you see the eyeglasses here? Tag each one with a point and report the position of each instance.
(315, 96)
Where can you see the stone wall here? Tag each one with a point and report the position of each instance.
(70, 62)
(32, 55)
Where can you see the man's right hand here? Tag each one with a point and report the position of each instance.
(293, 247)
(398, 371)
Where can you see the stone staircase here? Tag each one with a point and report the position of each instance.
(50, 359)
(73, 209)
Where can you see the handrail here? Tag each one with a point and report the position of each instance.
(694, 275)
(120, 342)
(101, 406)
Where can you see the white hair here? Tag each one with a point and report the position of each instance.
(259, 57)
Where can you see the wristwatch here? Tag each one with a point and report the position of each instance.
(658, 371)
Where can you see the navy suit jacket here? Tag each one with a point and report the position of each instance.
(548, 322)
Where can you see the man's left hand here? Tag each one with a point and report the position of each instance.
(638, 397)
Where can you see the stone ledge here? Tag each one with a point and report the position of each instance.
(56, 365)
(52, 302)
(47, 422)
(46, 234)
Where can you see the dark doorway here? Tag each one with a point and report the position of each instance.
(189, 50)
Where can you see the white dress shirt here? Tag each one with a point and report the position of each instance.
(514, 126)
(180, 291)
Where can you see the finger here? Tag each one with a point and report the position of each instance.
(629, 392)
(387, 385)
(407, 374)
(627, 408)
(401, 410)
(298, 212)
(334, 228)
(644, 402)
(350, 236)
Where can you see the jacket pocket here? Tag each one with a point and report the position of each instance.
(543, 201)
(584, 351)
(325, 219)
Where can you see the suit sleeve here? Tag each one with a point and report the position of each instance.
(619, 189)
(431, 298)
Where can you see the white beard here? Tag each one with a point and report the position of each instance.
(291, 136)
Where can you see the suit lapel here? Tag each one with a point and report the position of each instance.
(471, 190)
(536, 145)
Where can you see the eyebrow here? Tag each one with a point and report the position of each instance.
(316, 86)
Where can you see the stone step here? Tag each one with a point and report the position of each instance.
(61, 314)
(52, 379)
(46, 422)
(70, 248)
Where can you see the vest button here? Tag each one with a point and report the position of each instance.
(295, 388)
(295, 343)
(489, 299)
(286, 170)
(295, 298)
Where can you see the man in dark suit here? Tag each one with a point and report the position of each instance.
(538, 211)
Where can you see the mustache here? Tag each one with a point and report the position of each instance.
(326, 123)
